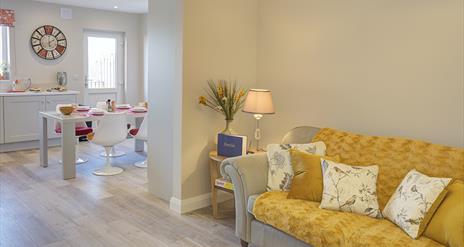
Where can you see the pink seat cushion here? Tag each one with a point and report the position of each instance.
(80, 131)
(133, 132)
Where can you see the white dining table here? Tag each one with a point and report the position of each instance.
(68, 139)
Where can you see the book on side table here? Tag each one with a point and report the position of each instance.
(231, 145)
(224, 183)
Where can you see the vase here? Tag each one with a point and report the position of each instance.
(6, 75)
(228, 129)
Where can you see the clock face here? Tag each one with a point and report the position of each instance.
(48, 42)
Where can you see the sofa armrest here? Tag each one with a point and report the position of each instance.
(249, 176)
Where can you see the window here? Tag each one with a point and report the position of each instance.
(101, 62)
(5, 53)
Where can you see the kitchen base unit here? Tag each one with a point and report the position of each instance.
(19, 118)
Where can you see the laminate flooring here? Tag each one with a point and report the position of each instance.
(38, 208)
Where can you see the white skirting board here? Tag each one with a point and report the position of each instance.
(197, 202)
(18, 146)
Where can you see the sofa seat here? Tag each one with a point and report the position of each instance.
(251, 203)
(305, 221)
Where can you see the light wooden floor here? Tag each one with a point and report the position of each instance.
(38, 208)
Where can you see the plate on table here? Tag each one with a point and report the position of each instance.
(139, 109)
(123, 106)
(83, 108)
(96, 112)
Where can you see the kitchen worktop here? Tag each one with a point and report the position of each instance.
(69, 92)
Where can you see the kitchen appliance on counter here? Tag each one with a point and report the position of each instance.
(62, 79)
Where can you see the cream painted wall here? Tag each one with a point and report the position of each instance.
(31, 14)
(214, 39)
(219, 43)
(164, 23)
(374, 67)
(383, 67)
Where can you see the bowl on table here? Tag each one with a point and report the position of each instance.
(96, 112)
(123, 106)
(66, 110)
(140, 109)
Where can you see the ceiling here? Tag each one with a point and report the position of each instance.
(131, 6)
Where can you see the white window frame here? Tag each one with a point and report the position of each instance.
(8, 53)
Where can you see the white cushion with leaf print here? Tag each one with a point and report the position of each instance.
(412, 200)
(280, 172)
(350, 188)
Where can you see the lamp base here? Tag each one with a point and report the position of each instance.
(257, 131)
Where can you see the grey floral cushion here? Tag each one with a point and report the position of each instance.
(412, 200)
(350, 188)
(280, 171)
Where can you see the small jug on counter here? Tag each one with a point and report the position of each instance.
(62, 78)
(22, 85)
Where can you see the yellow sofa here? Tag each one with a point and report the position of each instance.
(311, 226)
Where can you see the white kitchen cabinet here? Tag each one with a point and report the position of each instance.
(2, 137)
(21, 114)
(51, 102)
(21, 117)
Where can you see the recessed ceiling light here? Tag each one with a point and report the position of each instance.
(115, 6)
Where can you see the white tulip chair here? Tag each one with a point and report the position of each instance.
(81, 129)
(111, 130)
(141, 134)
(114, 153)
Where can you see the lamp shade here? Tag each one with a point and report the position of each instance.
(259, 101)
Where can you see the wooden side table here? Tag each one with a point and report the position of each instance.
(217, 182)
(214, 162)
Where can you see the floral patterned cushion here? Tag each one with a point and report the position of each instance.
(280, 171)
(413, 199)
(350, 188)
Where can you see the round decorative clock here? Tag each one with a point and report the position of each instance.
(48, 42)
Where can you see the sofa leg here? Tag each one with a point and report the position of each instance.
(243, 243)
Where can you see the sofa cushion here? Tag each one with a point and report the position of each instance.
(307, 178)
(280, 170)
(350, 188)
(447, 224)
(394, 156)
(414, 202)
(319, 227)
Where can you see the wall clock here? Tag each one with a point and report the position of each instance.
(48, 42)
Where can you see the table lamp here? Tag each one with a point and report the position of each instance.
(258, 102)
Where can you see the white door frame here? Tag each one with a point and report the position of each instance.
(120, 64)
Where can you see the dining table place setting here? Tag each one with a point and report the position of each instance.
(123, 106)
(83, 108)
(101, 108)
(139, 109)
(69, 115)
(96, 112)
